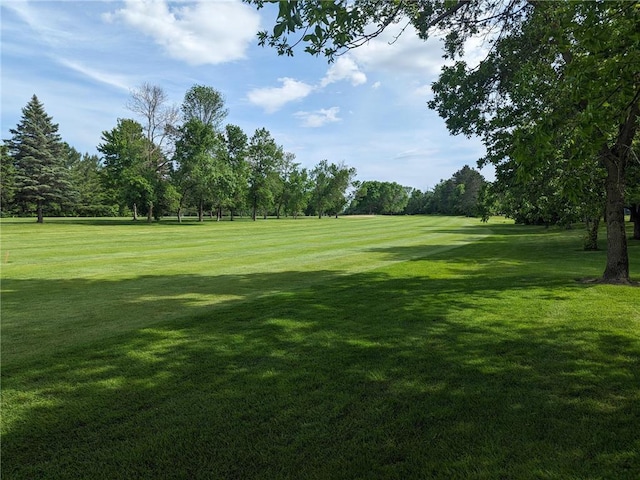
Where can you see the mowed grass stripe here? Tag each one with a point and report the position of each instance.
(67, 283)
(484, 361)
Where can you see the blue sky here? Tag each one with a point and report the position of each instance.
(368, 109)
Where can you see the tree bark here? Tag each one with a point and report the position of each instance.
(615, 161)
(150, 213)
(40, 212)
(617, 269)
(201, 211)
(591, 238)
(135, 212)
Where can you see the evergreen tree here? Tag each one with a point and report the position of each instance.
(7, 181)
(37, 152)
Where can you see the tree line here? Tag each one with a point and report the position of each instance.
(177, 161)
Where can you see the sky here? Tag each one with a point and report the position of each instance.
(368, 109)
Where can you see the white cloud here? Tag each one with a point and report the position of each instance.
(405, 53)
(117, 81)
(198, 33)
(376, 85)
(274, 98)
(344, 68)
(319, 118)
(423, 91)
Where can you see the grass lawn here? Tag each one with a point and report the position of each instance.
(370, 347)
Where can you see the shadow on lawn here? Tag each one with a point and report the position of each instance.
(328, 376)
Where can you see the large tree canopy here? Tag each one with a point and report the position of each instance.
(559, 83)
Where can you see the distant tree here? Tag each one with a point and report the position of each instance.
(282, 185)
(160, 126)
(418, 201)
(298, 188)
(38, 152)
(473, 181)
(90, 197)
(458, 195)
(236, 145)
(329, 186)
(205, 104)
(264, 157)
(195, 174)
(382, 198)
(126, 172)
(7, 181)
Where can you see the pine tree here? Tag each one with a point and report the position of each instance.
(37, 152)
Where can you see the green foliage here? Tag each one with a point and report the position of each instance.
(459, 195)
(418, 202)
(37, 152)
(198, 164)
(330, 183)
(7, 181)
(236, 144)
(91, 198)
(125, 171)
(381, 198)
(205, 104)
(264, 158)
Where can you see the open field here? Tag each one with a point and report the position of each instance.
(370, 347)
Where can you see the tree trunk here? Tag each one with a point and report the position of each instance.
(179, 214)
(40, 212)
(591, 238)
(201, 211)
(254, 210)
(135, 212)
(615, 162)
(617, 269)
(150, 213)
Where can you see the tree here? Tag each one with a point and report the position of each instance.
(329, 186)
(205, 104)
(7, 180)
(236, 144)
(298, 187)
(126, 171)
(633, 192)
(85, 173)
(37, 153)
(559, 82)
(382, 198)
(196, 172)
(264, 157)
(292, 188)
(159, 125)
(418, 202)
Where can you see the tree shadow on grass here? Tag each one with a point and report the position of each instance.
(322, 375)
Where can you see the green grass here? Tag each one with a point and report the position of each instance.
(375, 347)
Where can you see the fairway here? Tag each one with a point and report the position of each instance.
(358, 347)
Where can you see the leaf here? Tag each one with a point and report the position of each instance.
(278, 30)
